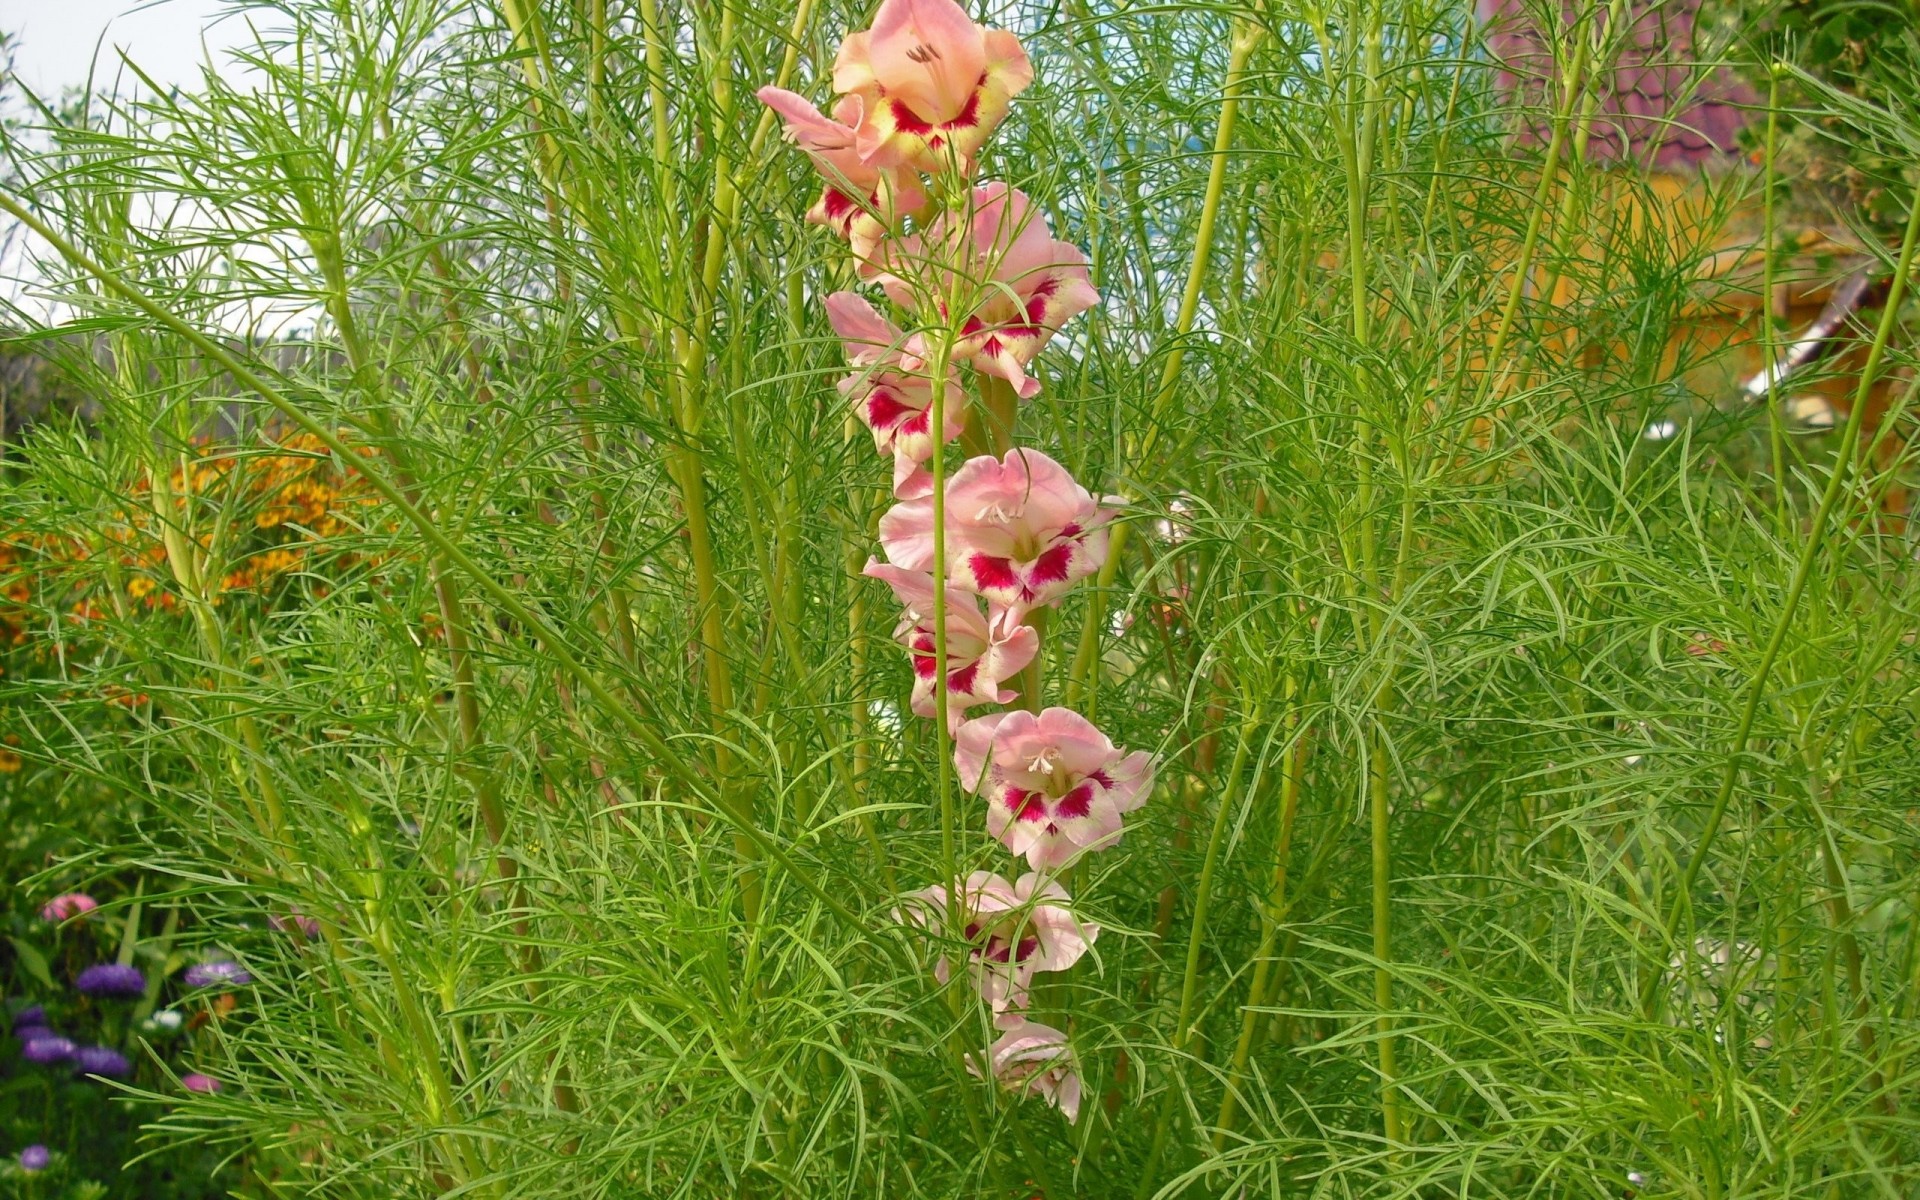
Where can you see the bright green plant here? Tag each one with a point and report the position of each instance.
(1533, 803)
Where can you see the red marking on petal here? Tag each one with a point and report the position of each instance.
(907, 121)
(884, 410)
(1070, 529)
(916, 424)
(1051, 566)
(992, 573)
(970, 115)
(972, 327)
(923, 665)
(838, 206)
(1075, 804)
(1103, 779)
(1025, 949)
(962, 680)
(1025, 805)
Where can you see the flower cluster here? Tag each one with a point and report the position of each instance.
(115, 1000)
(978, 287)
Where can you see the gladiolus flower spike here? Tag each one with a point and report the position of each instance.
(921, 91)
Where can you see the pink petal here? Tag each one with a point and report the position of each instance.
(868, 335)
(906, 534)
(929, 55)
(1132, 781)
(972, 745)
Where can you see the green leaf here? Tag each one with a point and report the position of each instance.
(34, 961)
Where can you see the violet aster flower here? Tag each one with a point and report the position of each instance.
(205, 1085)
(112, 979)
(102, 1060)
(217, 973)
(47, 1050)
(33, 1016)
(35, 1158)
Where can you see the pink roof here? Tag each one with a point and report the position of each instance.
(1658, 107)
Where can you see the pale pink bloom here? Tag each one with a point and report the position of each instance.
(295, 920)
(1031, 1057)
(194, 1081)
(891, 389)
(1015, 284)
(862, 200)
(67, 906)
(1020, 531)
(933, 86)
(1013, 931)
(982, 651)
(1055, 786)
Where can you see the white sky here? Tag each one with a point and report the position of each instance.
(58, 39)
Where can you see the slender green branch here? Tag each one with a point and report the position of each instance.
(1813, 544)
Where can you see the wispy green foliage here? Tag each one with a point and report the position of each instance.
(584, 747)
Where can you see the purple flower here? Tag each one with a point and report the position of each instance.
(218, 973)
(102, 1060)
(34, 1016)
(205, 1085)
(46, 1050)
(35, 1158)
(112, 979)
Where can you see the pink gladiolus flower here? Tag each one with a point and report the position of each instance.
(1031, 1057)
(933, 86)
(1012, 931)
(1020, 531)
(982, 652)
(1017, 285)
(1055, 786)
(861, 200)
(67, 906)
(892, 390)
(194, 1081)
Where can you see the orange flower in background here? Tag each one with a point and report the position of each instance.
(280, 502)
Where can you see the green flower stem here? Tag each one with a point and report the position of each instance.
(1812, 543)
(1776, 429)
(1356, 132)
(1183, 1029)
(1272, 918)
(1536, 214)
(937, 364)
(1247, 37)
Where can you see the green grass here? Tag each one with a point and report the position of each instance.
(584, 757)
